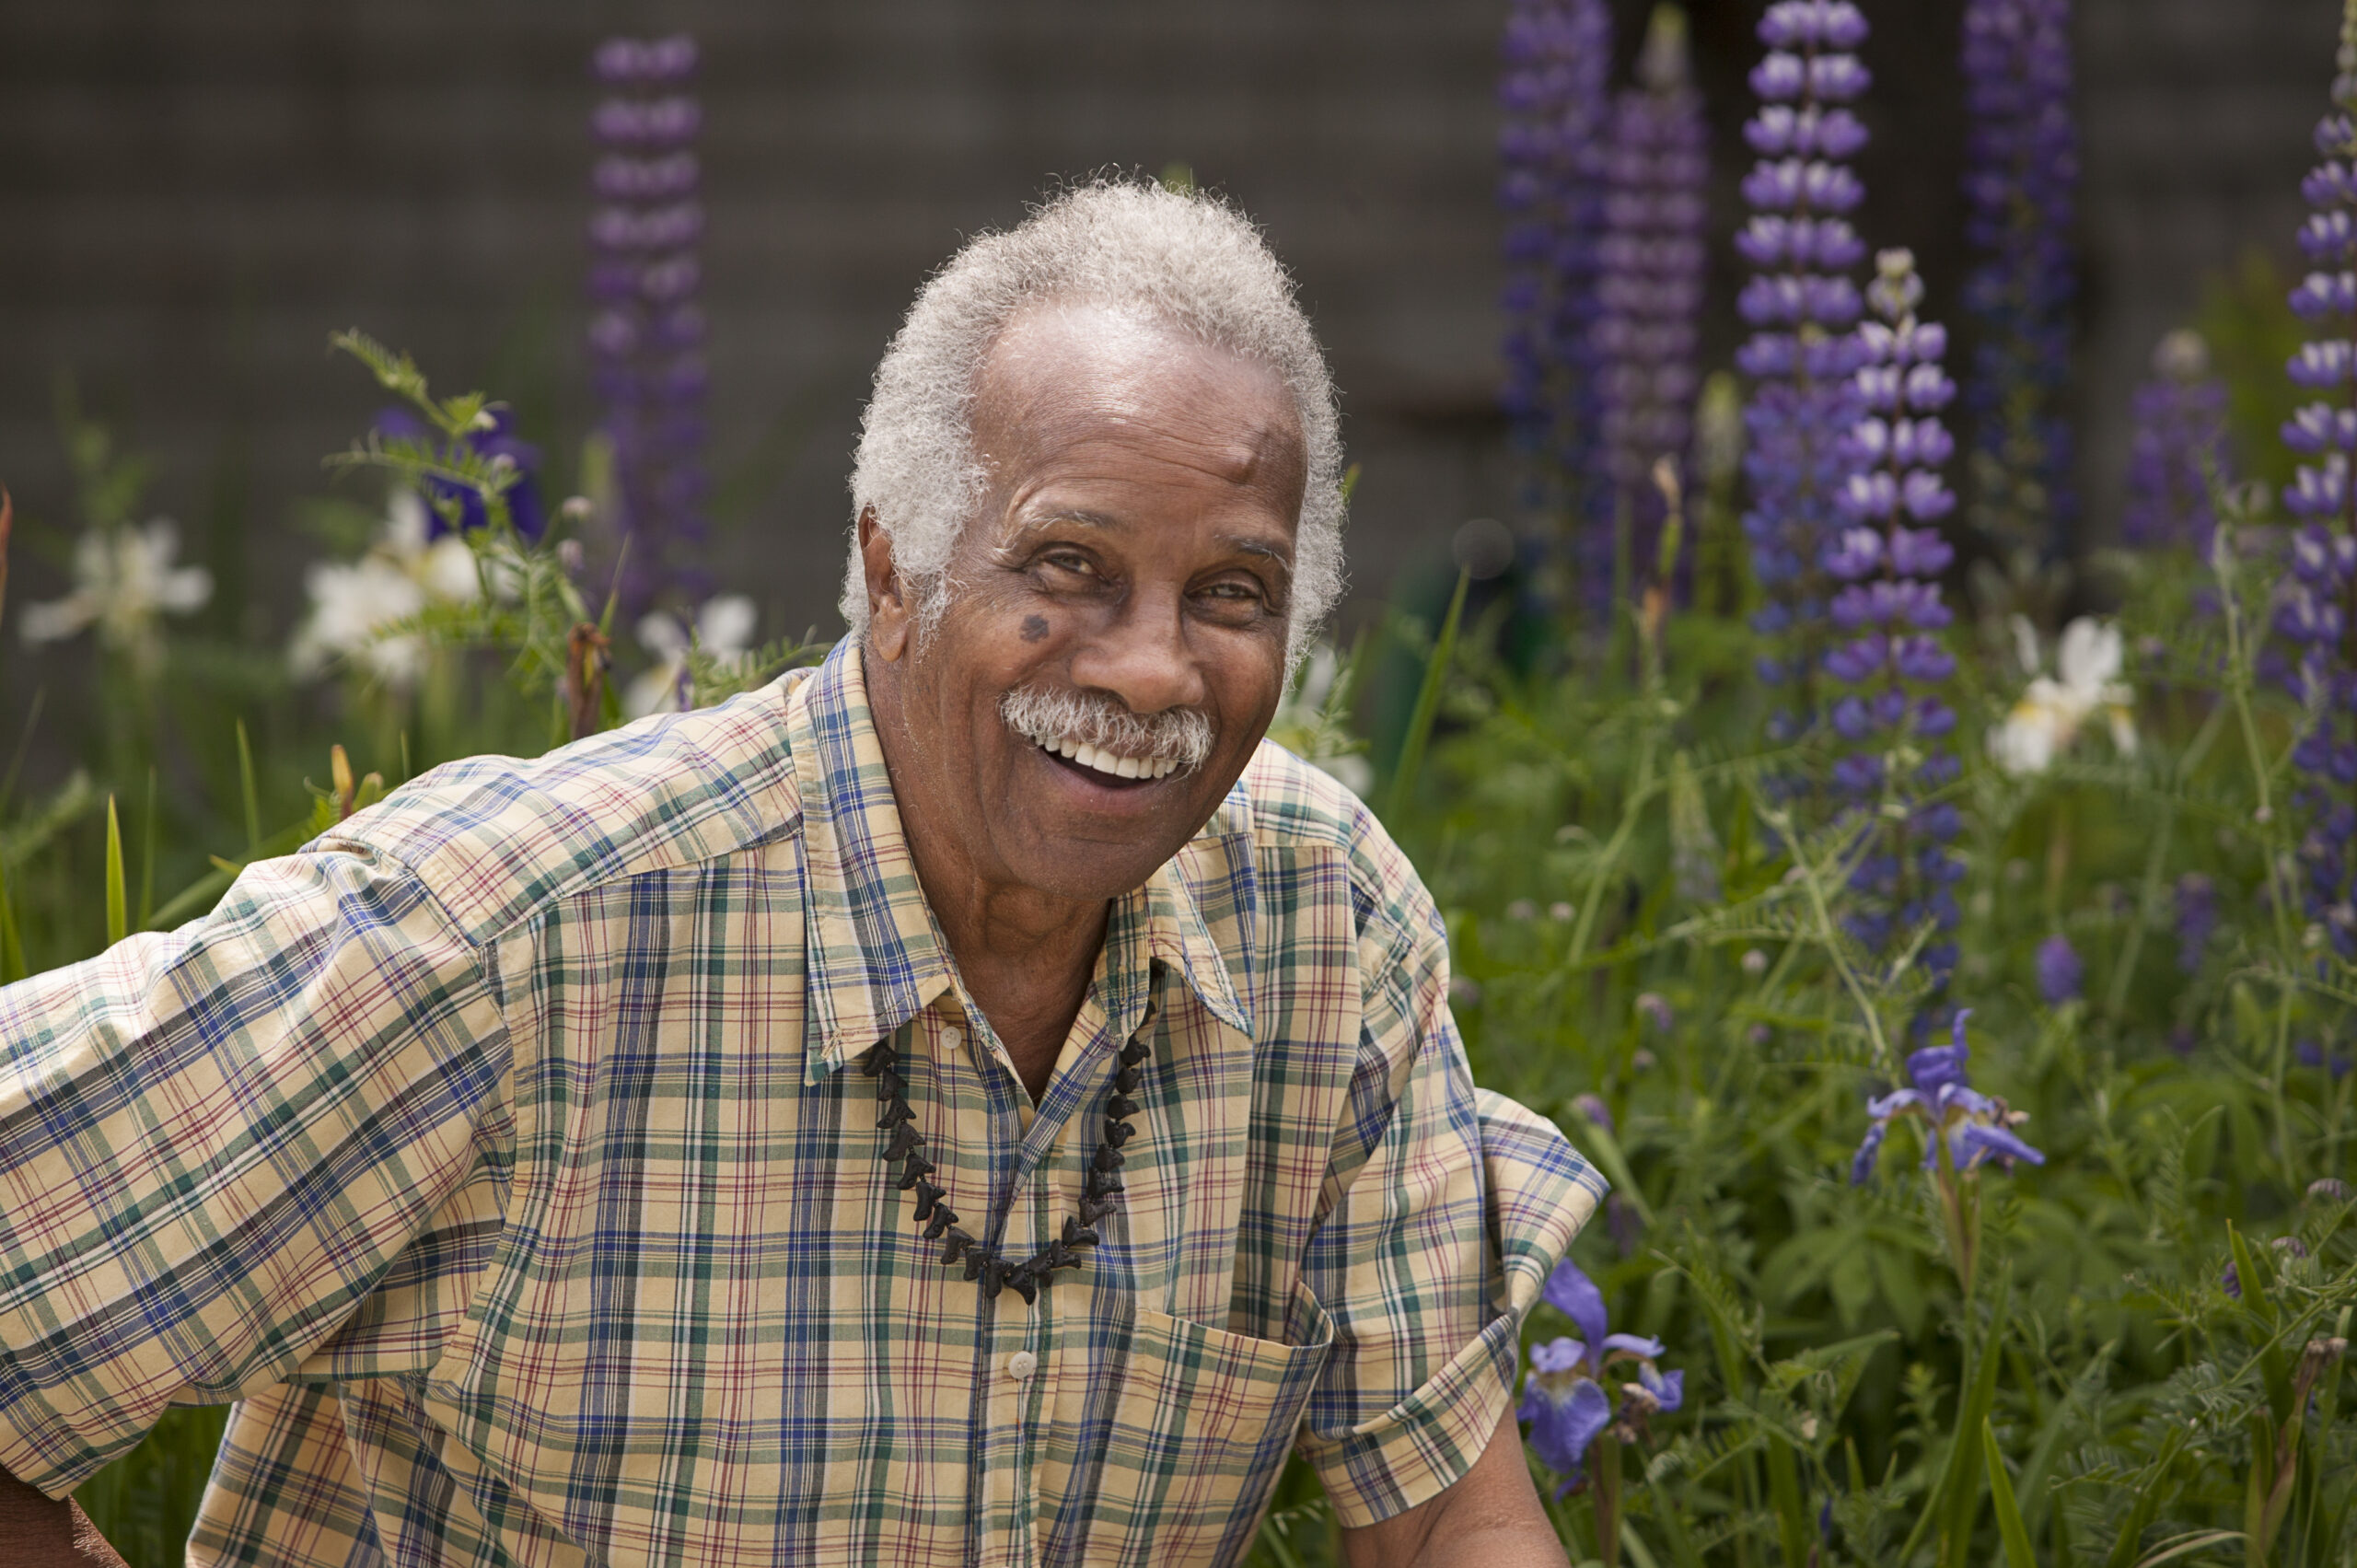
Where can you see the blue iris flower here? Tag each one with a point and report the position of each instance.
(1564, 1398)
(1976, 1126)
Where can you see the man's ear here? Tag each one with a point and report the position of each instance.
(889, 614)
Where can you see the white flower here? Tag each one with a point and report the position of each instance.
(724, 628)
(2052, 709)
(123, 581)
(402, 574)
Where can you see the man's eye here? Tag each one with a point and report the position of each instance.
(1066, 560)
(1235, 593)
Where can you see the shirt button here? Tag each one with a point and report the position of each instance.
(1021, 1365)
(952, 1039)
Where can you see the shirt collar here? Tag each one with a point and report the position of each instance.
(874, 955)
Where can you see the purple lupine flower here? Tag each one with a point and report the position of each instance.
(2021, 190)
(1887, 558)
(1555, 58)
(1564, 1398)
(2312, 1053)
(2197, 917)
(1649, 293)
(1976, 1126)
(1804, 304)
(2316, 612)
(2061, 974)
(2178, 448)
(646, 330)
(495, 441)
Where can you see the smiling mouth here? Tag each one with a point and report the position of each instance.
(1099, 766)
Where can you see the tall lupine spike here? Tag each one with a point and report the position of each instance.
(1649, 291)
(1892, 663)
(1555, 54)
(646, 330)
(2316, 616)
(1804, 303)
(2178, 448)
(2021, 192)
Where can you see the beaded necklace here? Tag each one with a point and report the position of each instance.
(1101, 1192)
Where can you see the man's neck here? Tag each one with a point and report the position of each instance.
(1026, 955)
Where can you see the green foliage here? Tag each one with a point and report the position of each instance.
(1936, 1367)
(1933, 1368)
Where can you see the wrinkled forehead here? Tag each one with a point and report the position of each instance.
(1068, 374)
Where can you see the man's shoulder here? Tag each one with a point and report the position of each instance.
(496, 839)
(1314, 822)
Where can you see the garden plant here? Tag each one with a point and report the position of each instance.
(1948, 947)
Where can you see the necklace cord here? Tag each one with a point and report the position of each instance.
(1100, 1193)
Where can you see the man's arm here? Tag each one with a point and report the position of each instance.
(1491, 1515)
(41, 1532)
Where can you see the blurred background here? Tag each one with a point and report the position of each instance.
(193, 195)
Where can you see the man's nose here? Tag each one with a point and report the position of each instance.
(1140, 656)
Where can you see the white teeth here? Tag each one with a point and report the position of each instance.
(1103, 762)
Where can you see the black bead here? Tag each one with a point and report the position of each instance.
(1108, 1158)
(1116, 1108)
(890, 1085)
(1134, 1052)
(895, 1114)
(1126, 1080)
(1103, 1184)
(1119, 1133)
(927, 1195)
(955, 1245)
(943, 1216)
(1023, 1283)
(1077, 1232)
(975, 1258)
(993, 1276)
(905, 1138)
(916, 1170)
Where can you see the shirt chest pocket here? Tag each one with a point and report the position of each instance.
(1178, 1453)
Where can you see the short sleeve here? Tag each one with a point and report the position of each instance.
(215, 1143)
(1437, 1248)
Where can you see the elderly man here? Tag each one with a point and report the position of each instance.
(972, 1103)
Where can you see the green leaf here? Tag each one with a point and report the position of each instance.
(12, 946)
(246, 790)
(1791, 1510)
(118, 899)
(2001, 1497)
(1419, 722)
(1597, 1141)
(2149, 1493)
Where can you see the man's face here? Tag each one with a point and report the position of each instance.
(1133, 561)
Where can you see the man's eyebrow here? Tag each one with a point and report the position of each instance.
(1246, 545)
(1080, 514)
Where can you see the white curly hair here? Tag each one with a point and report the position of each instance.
(1184, 259)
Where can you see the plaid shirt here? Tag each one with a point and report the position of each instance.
(504, 1156)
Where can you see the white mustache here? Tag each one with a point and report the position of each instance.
(1179, 737)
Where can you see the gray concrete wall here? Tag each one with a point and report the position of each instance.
(194, 193)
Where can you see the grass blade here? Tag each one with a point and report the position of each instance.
(12, 946)
(253, 795)
(1419, 721)
(118, 902)
(2010, 1528)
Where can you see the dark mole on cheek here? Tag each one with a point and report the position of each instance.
(1034, 628)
